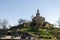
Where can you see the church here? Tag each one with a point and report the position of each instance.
(38, 20)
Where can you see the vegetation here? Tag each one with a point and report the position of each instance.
(37, 28)
(45, 30)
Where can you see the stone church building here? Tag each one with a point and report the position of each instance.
(39, 20)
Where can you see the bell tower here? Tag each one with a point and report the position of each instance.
(37, 14)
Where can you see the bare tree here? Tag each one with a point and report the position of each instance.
(58, 21)
(21, 21)
(4, 24)
(1, 24)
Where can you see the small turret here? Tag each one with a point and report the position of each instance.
(37, 14)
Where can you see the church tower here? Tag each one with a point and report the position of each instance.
(37, 14)
(39, 20)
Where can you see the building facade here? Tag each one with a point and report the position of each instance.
(39, 20)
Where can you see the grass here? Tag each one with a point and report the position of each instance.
(42, 32)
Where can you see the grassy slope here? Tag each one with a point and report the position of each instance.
(42, 32)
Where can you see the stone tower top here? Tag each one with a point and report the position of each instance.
(37, 14)
(37, 10)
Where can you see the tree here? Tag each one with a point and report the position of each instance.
(5, 22)
(21, 21)
(58, 21)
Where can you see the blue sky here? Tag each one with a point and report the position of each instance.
(12, 10)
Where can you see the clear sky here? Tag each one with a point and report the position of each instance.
(12, 10)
